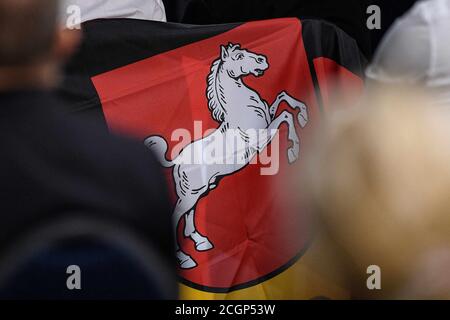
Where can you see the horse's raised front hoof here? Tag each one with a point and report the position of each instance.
(185, 261)
(292, 155)
(201, 243)
(302, 120)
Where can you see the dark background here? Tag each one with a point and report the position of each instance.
(349, 15)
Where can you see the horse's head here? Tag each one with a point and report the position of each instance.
(240, 62)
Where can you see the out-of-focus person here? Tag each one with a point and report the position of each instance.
(53, 166)
(106, 9)
(416, 51)
(378, 178)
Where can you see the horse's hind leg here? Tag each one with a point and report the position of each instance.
(202, 243)
(185, 261)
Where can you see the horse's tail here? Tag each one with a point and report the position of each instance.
(159, 148)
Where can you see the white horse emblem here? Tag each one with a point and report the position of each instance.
(236, 107)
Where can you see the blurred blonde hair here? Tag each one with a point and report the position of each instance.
(379, 176)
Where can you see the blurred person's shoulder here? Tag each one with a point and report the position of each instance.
(403, 54)
(416, 50)
(55, 164)
(110, 153)
(153, 10)
(429, 10)
(36, 122)
(424, 12)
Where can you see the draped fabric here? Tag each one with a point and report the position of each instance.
(238, 226)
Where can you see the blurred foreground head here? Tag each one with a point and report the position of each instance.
(379, 178)
(32, 44)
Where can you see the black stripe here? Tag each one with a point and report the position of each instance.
(112, 43)
(323, 39)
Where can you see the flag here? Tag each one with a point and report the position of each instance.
(198, 96)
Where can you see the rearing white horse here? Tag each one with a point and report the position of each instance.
(237, 108)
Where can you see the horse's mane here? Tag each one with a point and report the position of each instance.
(216, 98)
